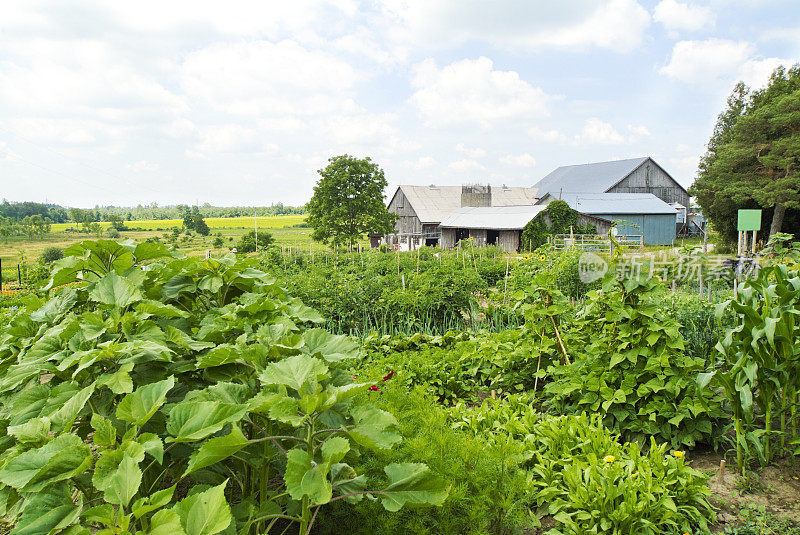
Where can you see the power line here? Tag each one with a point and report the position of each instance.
(75, 160)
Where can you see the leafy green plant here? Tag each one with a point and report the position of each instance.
(184, 396)
(761, 361)
(632, 370)
(591, 483)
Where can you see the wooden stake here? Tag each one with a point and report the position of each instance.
(505, 284)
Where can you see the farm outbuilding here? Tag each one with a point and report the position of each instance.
(499, 225)
(636, 175)
(635, 214)
(422, 208)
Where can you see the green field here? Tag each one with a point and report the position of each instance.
(214, 223)
(283, 228)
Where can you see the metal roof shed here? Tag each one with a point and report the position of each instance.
(635, 213)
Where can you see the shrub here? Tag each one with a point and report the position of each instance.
(51, 254)
(112, 233)
(247, 243)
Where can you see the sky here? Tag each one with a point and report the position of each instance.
(241, 102)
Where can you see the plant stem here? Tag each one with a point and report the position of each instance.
(737, 422)
(768, 432)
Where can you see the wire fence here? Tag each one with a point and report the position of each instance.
(599, 243)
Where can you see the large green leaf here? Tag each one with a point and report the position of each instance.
(159, 499)
(62, 458)
(331, 347)
(412, 483)
(124, 484)
(216, 449)
(54, 309)
(195, 420)
(294, 372)
(48, 511)
(374, 428)
(204, 513)
(304, 478)
(165, 522)
(139, 406)
(115, 291)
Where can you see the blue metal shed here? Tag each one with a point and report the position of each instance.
(635, 213)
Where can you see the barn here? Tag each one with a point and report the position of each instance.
(422, 208)
(499, 225)
(636, 175)
(635, 214)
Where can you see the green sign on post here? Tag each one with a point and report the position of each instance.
(749, 220)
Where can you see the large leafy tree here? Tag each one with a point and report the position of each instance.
(348, 201)
(753, 157)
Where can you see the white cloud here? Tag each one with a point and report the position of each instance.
(466, 165)
(597, 132)
(142, 166)
(472, 153)
(6, 154)
(715, 64)
(635, 133)
(548, 136)
(261, 77)
(618, 25)
(423, 162)
(520, 160)
(472, 91)
(679, 16)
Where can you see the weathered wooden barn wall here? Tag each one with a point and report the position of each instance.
(650, 178)
(602, 225)
(408, 222)
(509, 240)
(448, 238)
(478, 236)
(476, 195)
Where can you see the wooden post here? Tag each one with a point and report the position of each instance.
(755, 233)
(739, 244)
(505, 284)
(705, 240)
(735, 288)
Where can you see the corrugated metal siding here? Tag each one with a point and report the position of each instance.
(657, 229)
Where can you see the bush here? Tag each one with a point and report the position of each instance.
(51, 254)
(247, 243)
(112, 233)
(561, 267)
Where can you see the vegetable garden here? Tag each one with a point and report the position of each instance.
(142, 391)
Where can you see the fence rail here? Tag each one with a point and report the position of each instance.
(600, 243)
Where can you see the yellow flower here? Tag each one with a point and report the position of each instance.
(678, 454)
(543, 258)
(527, 257)
(609, 458)
(635, 474)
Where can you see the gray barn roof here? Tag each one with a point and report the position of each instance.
(492, 217)
(433, 203)
(590, 177)
(613, 203)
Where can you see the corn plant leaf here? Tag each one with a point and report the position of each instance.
(412, 483)
(115, 291)
(204, 513)
(216, 449)
(294, 372)
(48, 511)
(62, 458)
(195, 420)
(139, 406)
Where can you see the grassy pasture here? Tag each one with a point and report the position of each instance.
(231, 228)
